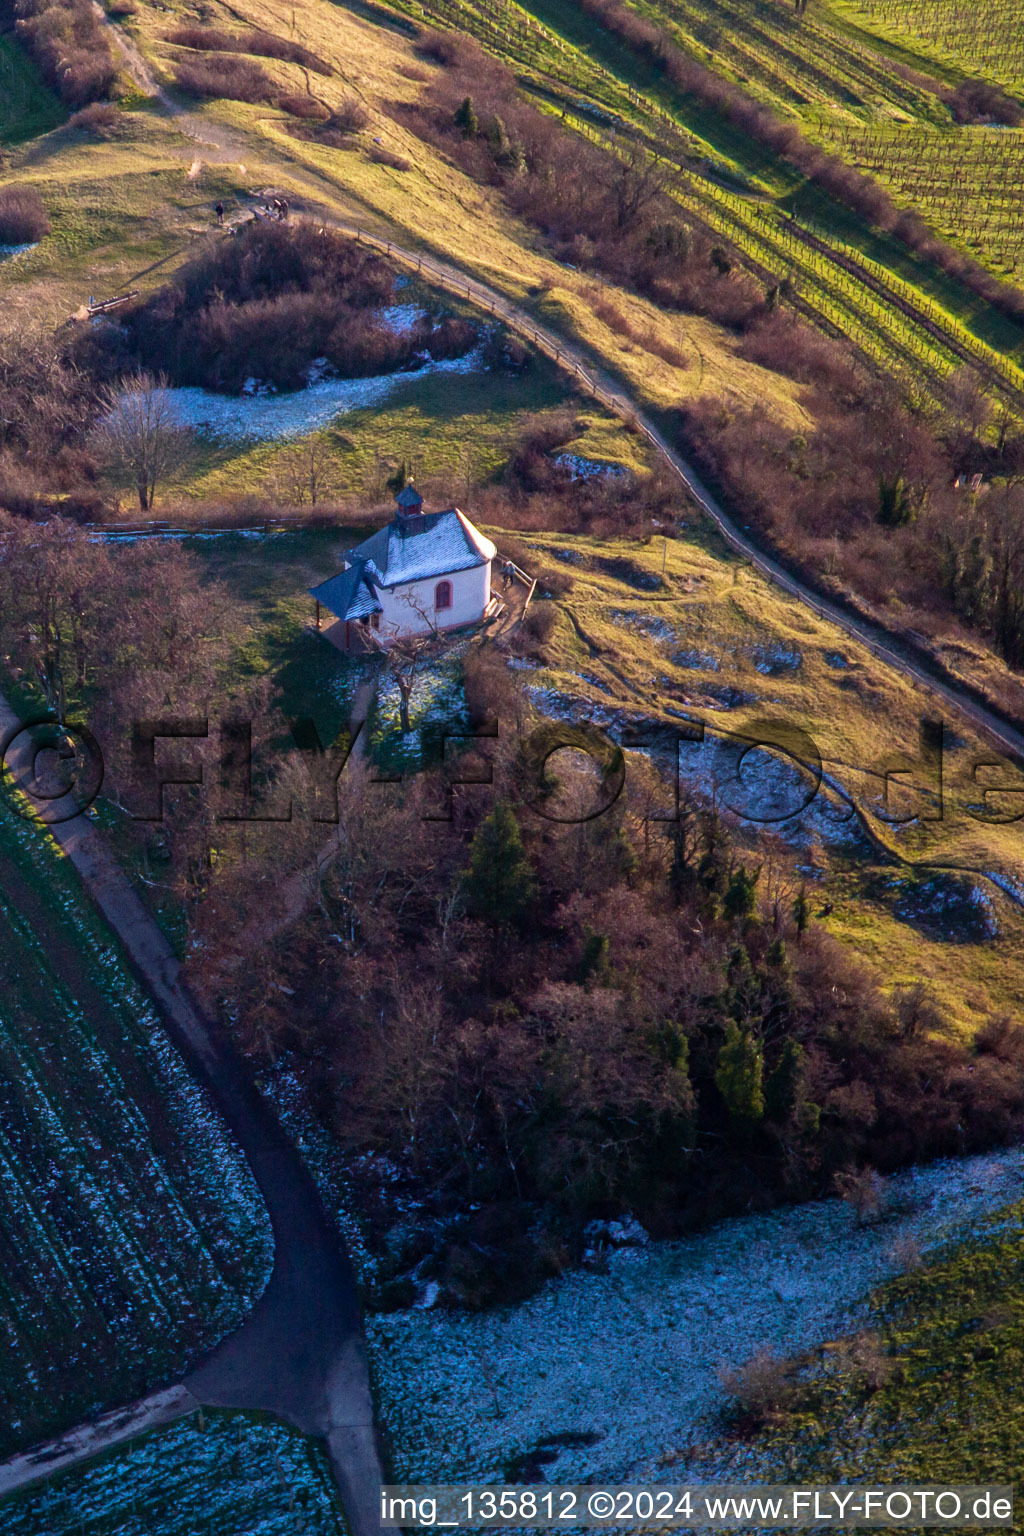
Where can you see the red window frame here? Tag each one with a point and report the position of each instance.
(443, 596)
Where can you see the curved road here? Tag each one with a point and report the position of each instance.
(301, 1353)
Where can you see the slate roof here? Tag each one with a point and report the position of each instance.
(349, 595)
(419, 547)
(425, 545)
(409, 497)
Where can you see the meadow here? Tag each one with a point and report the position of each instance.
(133, 1236)
(648, 641)
(27, 106)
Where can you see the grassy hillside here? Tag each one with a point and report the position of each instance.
(132, 1234)
(925, 1393)
(27, 107)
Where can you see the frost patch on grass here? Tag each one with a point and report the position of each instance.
(643, 623)
(697, 661)
(836, 660)
(590, 469)
(755, 785)
(726, 696)
(402, 317)
(775, 660)
(620, 1368)
(233, 1474)
(1010, 887)
(949, 908)
(267, 417)
(9, 251)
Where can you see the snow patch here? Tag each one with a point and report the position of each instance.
(623, 1365)
(262, 416)
(590, 469)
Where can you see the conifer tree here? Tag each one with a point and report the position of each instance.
(739, 1075)
(499, 882)
(784, 1089)
(801, 912)
(466, 118)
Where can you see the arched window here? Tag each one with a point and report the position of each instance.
(443, 595)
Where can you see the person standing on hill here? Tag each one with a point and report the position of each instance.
(219, 211)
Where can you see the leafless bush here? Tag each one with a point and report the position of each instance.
(865, 1192)
(234, 78)
(447, 48)
(977, 101)
(350, 117)
(381, 156)
(23, 218)
(905, 1253)
(99, 117)
(870, 1361)
(308, 107)
(759, 1387)
(67, 40)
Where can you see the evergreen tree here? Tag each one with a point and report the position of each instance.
(595, 956)
(784, 1089)
(801, 912)
(400, 479)
(499, 882)
(739, 1075)
(466, 118)
(895, 502)
(741, 893)
(682, 876)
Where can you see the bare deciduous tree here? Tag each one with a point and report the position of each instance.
(306, 475)
(141, 437)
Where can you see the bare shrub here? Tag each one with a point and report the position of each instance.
(67, 41)
(977, 101)
(759, 1387)
(23, 218)
(381, 156)
(864, 1191)
(905, 1253)
(350, 117)
(870, 1361)
(236, 79)
(302, 106)
(99, 117)
(265, 305)
(447, 48)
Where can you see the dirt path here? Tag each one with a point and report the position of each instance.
(601, 387)
(96, 1438)
(301, 1354)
